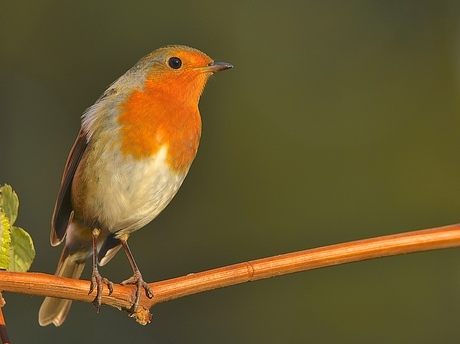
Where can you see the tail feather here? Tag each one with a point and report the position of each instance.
(54, 310)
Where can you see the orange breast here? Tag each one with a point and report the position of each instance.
(161, 114)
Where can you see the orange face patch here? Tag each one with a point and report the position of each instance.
(164, 113)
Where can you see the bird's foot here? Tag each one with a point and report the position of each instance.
(137, 280)
(97, 282)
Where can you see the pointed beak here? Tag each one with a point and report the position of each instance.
(215, 67)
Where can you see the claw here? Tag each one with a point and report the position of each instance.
(97, 281)
(137, 280)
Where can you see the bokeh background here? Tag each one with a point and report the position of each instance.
(340, 121)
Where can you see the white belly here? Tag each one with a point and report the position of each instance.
(124, 201)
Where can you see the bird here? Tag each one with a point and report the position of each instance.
(131, 155)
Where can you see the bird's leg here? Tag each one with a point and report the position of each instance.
(137, 277)
(97, 280)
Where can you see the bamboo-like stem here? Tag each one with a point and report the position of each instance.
(123, 296)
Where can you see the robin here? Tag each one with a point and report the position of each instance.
(133, 151)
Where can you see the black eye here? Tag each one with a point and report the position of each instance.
(175, 62)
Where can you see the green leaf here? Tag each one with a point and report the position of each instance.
(22, 252)
(9, 203)
(5, 241)
(16, 247)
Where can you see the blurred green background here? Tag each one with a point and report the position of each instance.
(340, 121)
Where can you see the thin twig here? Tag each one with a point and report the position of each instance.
(123, 296)
(3, 332)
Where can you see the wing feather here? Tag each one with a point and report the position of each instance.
(63, 211)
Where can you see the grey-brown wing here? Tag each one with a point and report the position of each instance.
(63, 207)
